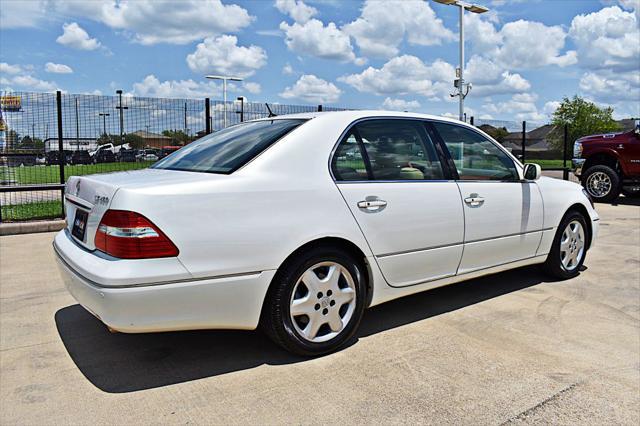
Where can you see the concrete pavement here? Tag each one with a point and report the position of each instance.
(508, 348)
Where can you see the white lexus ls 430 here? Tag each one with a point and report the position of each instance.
(299, 223)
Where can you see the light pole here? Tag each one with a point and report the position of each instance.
(104, 116)
(121, 108)
(224, 92)
(459, 83)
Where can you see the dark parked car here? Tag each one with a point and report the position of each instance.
(80, 157)
(166, 150)
(127, 155)
(21, 160)
(104, 156)
(53, 157)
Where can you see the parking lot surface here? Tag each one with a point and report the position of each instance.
(509, 348)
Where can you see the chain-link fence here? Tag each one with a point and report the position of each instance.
(47, 137)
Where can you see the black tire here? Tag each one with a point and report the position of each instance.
(553, 265)
(613, 177)
(276, 320)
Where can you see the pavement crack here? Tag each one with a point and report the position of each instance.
(526, 413)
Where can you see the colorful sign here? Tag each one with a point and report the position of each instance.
(10, 103)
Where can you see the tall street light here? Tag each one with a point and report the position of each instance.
(104, 116)
(224, 92)
(459, 83)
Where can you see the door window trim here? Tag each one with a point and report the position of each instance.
(451, 163)
(449, 175)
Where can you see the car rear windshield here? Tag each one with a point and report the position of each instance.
(229, 149)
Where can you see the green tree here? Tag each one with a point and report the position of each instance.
(105, 138)
(583, 118)
(178, 137)
(134, 141)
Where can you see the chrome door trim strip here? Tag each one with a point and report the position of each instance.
(459, 243)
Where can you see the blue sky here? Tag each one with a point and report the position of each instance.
(522, 56)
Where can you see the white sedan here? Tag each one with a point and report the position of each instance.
(298, 223)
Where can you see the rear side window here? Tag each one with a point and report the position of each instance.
(229, 149)
(384, 149)
(475, 157)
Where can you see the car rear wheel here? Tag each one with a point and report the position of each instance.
(569, 247)
(316, 302)
(602, 183)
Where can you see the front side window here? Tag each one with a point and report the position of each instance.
(393, 150)
(475, 157)
(228, 149)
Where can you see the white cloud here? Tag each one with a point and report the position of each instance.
(169, 21)
(296, 9)
(6, 68)
(550, 107)
(314, 39)
(611, 87)
(223, 55)
(151, 86)
(253, 88)
(609, 38)
(21, 14)
(521, 106)
(527, 44)
(400, 104)
(382, 26)
(312, 89)
(30, 82)
(57, 68)
(404, 75)
(287, 69)
(75, 37)
(490, 79)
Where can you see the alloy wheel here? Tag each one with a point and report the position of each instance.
(323, 302)
(599, 184)
(572, 245)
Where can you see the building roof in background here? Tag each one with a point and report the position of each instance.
(150, 135)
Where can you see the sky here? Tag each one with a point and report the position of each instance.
(522, 57)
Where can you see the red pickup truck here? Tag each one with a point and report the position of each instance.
(608, 164)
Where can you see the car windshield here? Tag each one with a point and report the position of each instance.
(229, 149)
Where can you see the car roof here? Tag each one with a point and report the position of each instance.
(358, 114)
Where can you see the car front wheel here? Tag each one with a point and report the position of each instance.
(569, 247)
(316, 301)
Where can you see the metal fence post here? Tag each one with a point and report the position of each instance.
(565, 154)
(524, 138)
(471, 120)
(207, 115)
(61, 157)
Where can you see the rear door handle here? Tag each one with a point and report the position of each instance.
(474, 200)
(372, 204)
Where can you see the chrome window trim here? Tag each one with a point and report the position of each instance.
(376, 117)
(518, 166)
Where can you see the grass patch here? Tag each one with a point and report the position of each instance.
(32, 211)
(31, 175)
(546, 164)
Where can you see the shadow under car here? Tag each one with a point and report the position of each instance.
(119, 363)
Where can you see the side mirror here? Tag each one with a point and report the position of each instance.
(532, 171)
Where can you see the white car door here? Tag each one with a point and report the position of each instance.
(503, 213)
(410, 212)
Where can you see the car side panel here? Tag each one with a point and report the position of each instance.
(558, 196)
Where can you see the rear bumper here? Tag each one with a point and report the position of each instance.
(577, 164)
(230, 302)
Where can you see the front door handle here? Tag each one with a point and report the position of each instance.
(474, 200)
(372, 205)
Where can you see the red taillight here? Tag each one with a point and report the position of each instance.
(129, 235)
